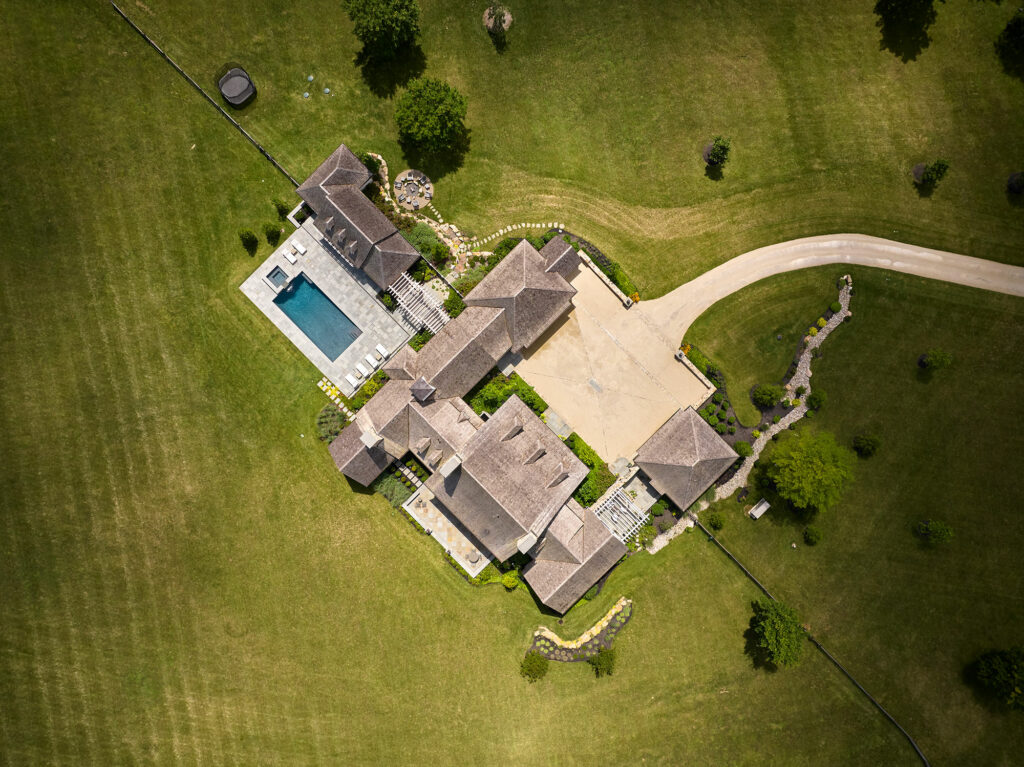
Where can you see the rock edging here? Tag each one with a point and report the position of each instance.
(597, 637)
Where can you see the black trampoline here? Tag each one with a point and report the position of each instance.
(236, 87)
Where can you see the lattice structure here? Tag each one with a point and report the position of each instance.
(419, 304)
(621, 516)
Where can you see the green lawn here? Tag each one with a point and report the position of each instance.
(905, 618)
(597, 113)
(186, 576)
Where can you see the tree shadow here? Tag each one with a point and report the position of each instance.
(924, 190)
(714, 172)
(759, 659)
(925, 374)
(983, 696)
(1015, 190)
(437, 165)
(385, 76)
(904, 25)
(499, 41)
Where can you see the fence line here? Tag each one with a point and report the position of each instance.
(205, 95)
(821, 647)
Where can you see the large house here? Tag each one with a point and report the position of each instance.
(507, 480)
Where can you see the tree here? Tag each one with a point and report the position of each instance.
(816, 399)
(430, 115)
(777, 631)
(932, 174)
(904, 25)
(1001, 673)
(743, 449)
(603, 662)
(534, 667)
(935, 359)
(866, 445)
(716, 521)
(812, 535)
(810, 470)
(249, 240)
(1010, 45)
(497, 19)
(718, 151)
(766, 396)
(384, 26)
(935, 532)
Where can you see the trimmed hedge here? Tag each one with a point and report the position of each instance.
(599, 478)
(492, 392)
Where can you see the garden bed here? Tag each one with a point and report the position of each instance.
(492, 392)
(600, 637)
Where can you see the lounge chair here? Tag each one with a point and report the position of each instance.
(361, 369)
(291, 257)
(300, 248)
(371, 361)
(381, 351)
(351, 381)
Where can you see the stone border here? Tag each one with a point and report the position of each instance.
(598, 637)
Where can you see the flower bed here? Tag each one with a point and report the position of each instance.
(598, 637)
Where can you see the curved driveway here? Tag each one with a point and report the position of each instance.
(673, 313)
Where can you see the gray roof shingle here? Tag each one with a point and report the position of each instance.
(464, 351)
(561, 257)
(354, 459)
(684, 457)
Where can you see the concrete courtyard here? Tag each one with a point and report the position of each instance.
(609, 373)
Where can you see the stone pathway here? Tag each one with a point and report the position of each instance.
(684, 523)
(511, 228)
(802, 377)
(597, 637)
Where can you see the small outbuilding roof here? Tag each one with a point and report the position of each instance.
(354, 459)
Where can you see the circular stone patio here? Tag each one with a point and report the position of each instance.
(413, 190)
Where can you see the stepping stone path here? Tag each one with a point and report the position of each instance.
(597, 637)
(802, 377)
(509, 229)
(334, 395)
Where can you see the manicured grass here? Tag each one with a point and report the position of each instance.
(741, 333)
(906, 619)
(186, 576)
(825, 126)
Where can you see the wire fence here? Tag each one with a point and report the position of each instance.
(820, 647)
(206, 95)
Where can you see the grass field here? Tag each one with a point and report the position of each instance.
(187, 578)
(909, 618)
(597, 113)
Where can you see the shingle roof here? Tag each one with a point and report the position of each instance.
(684, 457)
(502, 490)
(402, 364)
(531, 297)
(389, 258)
(439, 428)
(464, 351)
(354, 459)
(385, 413)
(340, 167)
(554, 576)
(561, 257)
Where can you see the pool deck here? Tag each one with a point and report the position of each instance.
(350, 291)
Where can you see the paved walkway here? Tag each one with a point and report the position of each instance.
(674, 312)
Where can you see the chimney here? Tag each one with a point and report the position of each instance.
(449, 466)
(370, 438)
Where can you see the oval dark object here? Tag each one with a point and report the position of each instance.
(236, 86)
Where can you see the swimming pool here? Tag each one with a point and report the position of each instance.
(316, 315)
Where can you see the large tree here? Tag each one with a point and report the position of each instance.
(810, 470)
(1010, 45)
(430, 116)
(384, 26)
(778, 632)
(1001, 672)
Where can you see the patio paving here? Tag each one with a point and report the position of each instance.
(609, 373)
(463, 548)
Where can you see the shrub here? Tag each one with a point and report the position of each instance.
(755, 433)
(778, 633)
(776, 419)
(698, 359)
(644, 536)
(249, 240)
(731, 420)
(493, 390)
(282, 209)
(812, 331)
(592, 592)
(510, 580)
(419, 340)
(430, 115)
(935, 532)
(712, 420)
(821, 322)
(801, 391)
(439, 255)
(388, 300)
(598, 479)
(795, 402)
(718, 152)
(812, 535)
(664, 524)
(766, 395)
(866, 445)
(717, 397)
(422, 237)
(935, 359)
(329, 423)
(368, 389)
(721, 427)
(603, 662)
(732, 429)
(454, 304)
(716, 521)
(1001, 674)
(534, 667)
(836, 307)
(816, 399)
(743, 448)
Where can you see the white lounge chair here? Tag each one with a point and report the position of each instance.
(291, 258)
(361, 369)
(352, 382)
(371, 361)
(299, 247)
(381, 351)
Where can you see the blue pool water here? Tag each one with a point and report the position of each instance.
(317, 316)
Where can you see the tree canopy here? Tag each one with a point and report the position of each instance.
(934, 172)
(1010, 45)
(384, 26)
(719, 151)
(766, 395)
(777, 631)
(936, 359)
(430, 115)
(1001, 673)
(810, 470)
